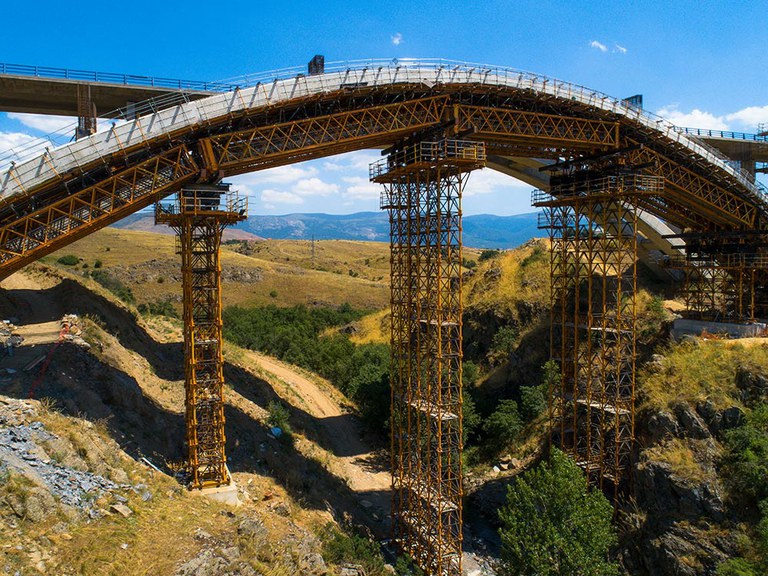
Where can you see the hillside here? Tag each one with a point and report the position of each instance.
(699, 403)
(480, 231)
(114, 411)
(259, 273)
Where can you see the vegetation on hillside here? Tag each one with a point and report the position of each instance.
(552, 525)
(296, 335)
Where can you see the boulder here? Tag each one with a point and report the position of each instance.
(690, 422)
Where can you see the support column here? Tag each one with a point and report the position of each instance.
(422, 192)
(199, 216)
(592, 223)
(722, 287)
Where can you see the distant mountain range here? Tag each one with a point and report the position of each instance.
(480, 231)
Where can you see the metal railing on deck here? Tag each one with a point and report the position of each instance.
(725, 134)
(429, 153)
(112, 78)
(373, 73)
(202, 202)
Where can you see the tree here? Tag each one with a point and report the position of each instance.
(552, 525)
(504, 425)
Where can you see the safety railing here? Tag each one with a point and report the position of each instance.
(429, 152)
(436, 71)
(199, 202)
(112, 78)
(725, 134)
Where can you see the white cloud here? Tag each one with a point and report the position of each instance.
(397, 39)
(487, 181)
(747, 119)
(273, 197)
(46, 123)
(599, 45)
(694, 119)
(619, 48)
(750, 116)
(280, 175)
(360, 188)
(352, 162)
(314, 187)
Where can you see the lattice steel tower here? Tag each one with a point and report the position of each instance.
(199, 215)
(592, 220)
(423, 184)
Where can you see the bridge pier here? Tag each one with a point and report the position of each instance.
(592, 222)
(723, 283)
(423, 184)
(199, 216)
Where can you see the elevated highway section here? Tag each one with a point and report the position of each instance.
(274, 119)
(48, 90)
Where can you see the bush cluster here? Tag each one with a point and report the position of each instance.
(114, 285)
(295, 335)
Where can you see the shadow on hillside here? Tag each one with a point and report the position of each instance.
(250, 448)
(322, 431)
(70, 297)
(82, 386)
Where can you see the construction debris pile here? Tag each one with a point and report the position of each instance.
(9, 337)
(25, 444)
(71, 331)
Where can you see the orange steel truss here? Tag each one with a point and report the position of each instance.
(422, 192)
(723, 287)
(199, 215)
(96, 194)
(56, 224)
(593, 230)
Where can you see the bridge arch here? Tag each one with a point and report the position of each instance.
(519, 122)
(525, 121)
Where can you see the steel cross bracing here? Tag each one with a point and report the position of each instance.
(248, 139)
(422, 193)
(199, 215)
(723, 287)
(593, 232)
(42, 222)
(45, 228)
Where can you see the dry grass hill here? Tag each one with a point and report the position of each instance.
(86, 465)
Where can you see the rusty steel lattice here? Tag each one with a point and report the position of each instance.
(593, 230)
(199, 216)
(422, 193)
(723, 287)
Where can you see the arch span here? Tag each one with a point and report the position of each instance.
(525, 121)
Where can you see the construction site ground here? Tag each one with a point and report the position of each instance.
(131, 380)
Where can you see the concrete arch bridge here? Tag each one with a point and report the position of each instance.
(615, 182)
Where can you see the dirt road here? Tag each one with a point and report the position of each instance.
(344, 434)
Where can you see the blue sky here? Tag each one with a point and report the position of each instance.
(702, 64)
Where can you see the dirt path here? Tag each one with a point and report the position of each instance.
(344, 434)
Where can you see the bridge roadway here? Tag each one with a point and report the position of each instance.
(273, 119)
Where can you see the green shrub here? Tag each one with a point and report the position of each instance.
(279, 417)
(487, 255)
(504, 425)
(340, 548)
(159, 308)
(114, 285)
(68, 260)
(736, 567)
(552, 525)
(273, 294)
(97, 264)
(533, 401)
(745, 461)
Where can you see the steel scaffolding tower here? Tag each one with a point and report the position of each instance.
(423, 184)
(723, 287)
(592, 222)
(199, 215)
